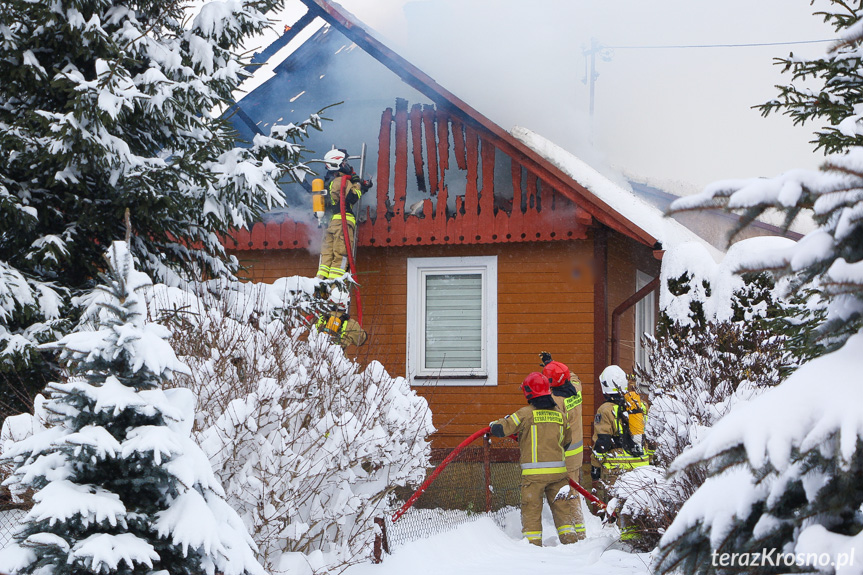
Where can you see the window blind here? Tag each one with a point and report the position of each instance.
(453, 321)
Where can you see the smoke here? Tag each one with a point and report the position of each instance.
(660, 114)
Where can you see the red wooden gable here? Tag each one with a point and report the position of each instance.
(529, 209)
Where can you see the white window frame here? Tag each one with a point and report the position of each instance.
(418, 269)
(645, 309)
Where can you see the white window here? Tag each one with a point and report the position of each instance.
(452, 321)
(645, 318)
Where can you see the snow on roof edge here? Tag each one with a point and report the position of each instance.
(641, 214)
(266, 69)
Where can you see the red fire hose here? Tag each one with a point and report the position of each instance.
(438, 471)
(476, 435)
(588, 495)
(348, 247)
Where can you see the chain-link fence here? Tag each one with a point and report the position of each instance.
(10, 518)
(481, 481)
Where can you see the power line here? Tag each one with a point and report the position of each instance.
(663, 46)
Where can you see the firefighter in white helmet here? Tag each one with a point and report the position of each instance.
(338, 324)
(613, 448)
(340, 181)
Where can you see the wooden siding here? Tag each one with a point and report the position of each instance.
(624, 258)
(545, 303)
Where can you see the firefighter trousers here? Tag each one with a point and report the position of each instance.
(334, 252)
(533, 487)
(573, 470)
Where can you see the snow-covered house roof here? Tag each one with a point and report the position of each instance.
(635, 209)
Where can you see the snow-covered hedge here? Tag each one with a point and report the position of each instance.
(307, 443)
(712, 351)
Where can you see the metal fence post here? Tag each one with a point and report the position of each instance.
(382, 545)
(486, 460)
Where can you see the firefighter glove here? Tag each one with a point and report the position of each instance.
(496, 429)
(595, 473)
(366, 185)
(604, 443)
(544, 358)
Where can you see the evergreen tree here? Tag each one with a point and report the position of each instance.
(119, 486)
(823, 265)
(785, 469)
(114, 104)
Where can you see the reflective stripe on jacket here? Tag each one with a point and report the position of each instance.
(543, 435)
(572, 407)
(608, 422)
(353, 192)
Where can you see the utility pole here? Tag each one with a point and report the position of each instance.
(594, 47)
(590, 73)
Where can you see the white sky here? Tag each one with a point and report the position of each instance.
(679, 117)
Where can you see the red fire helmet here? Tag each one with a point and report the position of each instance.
(535, 385)
(557, 373)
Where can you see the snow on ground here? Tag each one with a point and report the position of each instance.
(482, 547)
(647, 217)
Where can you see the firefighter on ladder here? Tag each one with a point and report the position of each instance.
(543, 434)
(334, 250)
(566, 392)
(614, 451)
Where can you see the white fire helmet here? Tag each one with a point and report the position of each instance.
(334, 158)
(613, 380)
(339, 297)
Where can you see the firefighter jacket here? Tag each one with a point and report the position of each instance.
(342, 328)
(637, 412)
(542, 436)
(353, 192)
(611, 440)
(568, 399)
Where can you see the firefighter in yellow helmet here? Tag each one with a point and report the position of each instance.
(566, 392)
(543, 434)
(614, 451)
(334, 250)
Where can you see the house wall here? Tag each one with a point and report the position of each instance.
(625, 256)
(545, 303)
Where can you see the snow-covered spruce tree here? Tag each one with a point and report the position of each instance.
(712, 350)
(785, 469)
(119, 485)
(30, 314)
(108, 105)
(307, 443)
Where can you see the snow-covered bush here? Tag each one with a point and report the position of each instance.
(785, 469)
(712, 351)
(713, 347)
(118, 483)
(307, 443)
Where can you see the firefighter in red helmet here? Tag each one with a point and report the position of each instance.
(543, 434)
(566, 392)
